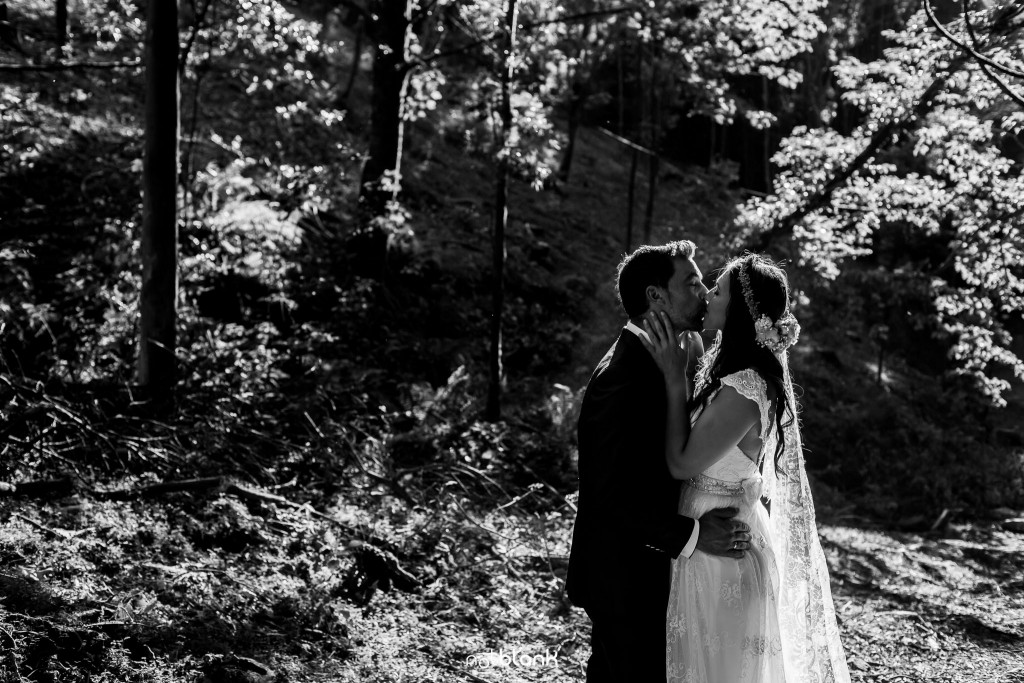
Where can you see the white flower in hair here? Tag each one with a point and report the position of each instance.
(775, 336)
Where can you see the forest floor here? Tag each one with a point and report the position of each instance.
(114, 592)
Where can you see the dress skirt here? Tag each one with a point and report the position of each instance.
(722, 617)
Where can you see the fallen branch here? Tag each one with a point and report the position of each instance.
(40, 488)
(72, 66)
(255, 495)
(151, 490)
(52, 533)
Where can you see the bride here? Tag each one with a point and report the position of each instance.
(767, 617)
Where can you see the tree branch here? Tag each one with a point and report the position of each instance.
(196, 26)
(423, 11)
(490, 38)
(889, 132)
(789, 8)
(982, 59)
(881, 139)
(357, 8)
(1003, 85)
(70, 66)
(582, 16)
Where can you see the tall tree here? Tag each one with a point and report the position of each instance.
(584, 48)
(654, 141)
(389, 29)
(62, 22)
(507, 63)
(357, 57)
(388, 24)
(157, 366)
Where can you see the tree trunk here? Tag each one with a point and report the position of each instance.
(493, 411)
(654, 161)
(639, 96)
(62, 22)
(653, 166)
(381, 176)
(631, 199)
(622, 92)
(578, 93)
(157, 366)
(711, 142)
(357, 53)
(575, 106)
(817, 79)
(766, 141)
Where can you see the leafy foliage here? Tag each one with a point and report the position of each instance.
(724, 41)
(947, 189)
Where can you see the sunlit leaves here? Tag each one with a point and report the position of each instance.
(424, 93)
(114, 26)
(538, 68)
(948, 175)
(729, 39)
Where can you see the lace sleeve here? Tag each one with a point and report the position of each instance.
(751, 385)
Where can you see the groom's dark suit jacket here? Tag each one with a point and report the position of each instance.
(627, 529)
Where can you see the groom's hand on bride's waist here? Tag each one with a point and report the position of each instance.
(722, 534)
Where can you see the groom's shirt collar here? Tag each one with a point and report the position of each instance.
(635, 329)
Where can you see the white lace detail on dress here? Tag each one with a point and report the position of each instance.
(768, 618)
(752, 386)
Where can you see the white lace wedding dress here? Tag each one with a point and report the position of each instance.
(769, 617)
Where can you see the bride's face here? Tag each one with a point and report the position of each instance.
(718, 303)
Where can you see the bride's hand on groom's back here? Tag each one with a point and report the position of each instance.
(665, 348)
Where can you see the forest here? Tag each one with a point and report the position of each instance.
(300, 299)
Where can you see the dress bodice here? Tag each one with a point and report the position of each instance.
(735, 466)
(737, 469)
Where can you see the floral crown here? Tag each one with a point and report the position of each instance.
(775, 336)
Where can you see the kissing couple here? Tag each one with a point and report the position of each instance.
(685, 572)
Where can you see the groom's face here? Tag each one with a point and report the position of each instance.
(684, 299)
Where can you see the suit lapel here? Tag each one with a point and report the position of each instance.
(636, 358)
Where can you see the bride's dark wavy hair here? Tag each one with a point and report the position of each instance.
(737, 348)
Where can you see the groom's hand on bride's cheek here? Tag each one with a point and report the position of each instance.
(722, 534)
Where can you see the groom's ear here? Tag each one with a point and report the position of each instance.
(654, 295)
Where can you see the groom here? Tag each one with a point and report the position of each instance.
(627, 530)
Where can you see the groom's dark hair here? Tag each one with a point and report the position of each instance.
(648, 265)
